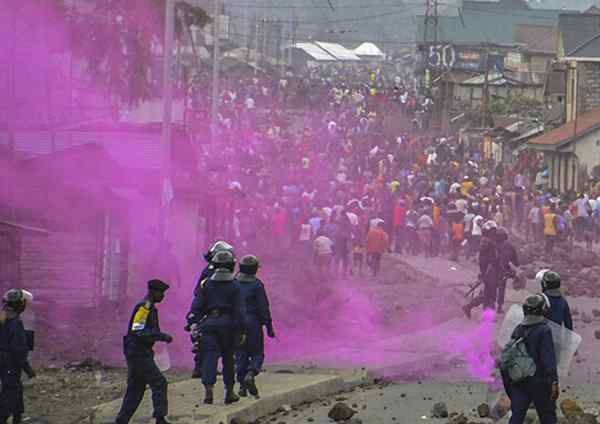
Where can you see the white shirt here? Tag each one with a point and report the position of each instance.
(476, 231)
(461, 205)
(323, 245)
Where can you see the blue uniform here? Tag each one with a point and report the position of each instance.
(560, 312)
(13, 358)
(142, 333)
(255, 314)
(207, 272)
(536, 389)
(217, 313)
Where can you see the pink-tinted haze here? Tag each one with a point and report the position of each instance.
(80, 195)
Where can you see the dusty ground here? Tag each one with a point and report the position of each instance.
(66, 396)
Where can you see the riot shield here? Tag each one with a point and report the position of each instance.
(566, 341)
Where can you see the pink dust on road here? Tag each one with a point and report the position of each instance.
(85, 199)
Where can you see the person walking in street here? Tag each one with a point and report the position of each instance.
(218, 318)
(323, 253)
(143, 332)
(541, 388)
(378, 243)
(256, 314)
(509, 261)
(559, 312)
(14, 349)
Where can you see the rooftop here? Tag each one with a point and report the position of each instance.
(580, 35)
(571, 131)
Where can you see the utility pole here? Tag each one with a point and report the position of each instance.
(166, 189)
(431, 21)
(486, 82)
(264, 34)
(215, 73)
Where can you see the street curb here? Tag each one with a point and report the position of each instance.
(310, 393)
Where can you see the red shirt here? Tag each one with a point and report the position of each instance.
(399, 215)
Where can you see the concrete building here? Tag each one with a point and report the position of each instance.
(571, 151)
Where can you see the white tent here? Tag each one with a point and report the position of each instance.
(368, 49)
(338, 51)
(315, 52)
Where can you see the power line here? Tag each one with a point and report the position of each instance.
(289, 38)
(290, 7)
(334, 21)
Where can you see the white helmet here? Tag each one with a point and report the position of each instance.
(489, 226)
(540, 276)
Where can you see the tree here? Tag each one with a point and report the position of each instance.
(121, 42)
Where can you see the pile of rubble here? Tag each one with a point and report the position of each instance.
(578, 268)
(572, 413)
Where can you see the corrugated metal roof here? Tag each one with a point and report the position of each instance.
(571, 131)
(579, 5)
(580, 34)
(315, 52)
(537, 38)
(487, 23)
(338, 51)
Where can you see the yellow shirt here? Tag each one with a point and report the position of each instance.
(466, 188)
(549, 225)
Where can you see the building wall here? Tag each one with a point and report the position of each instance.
(589, 86)
(62, 267)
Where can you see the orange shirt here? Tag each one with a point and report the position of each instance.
(377, 241)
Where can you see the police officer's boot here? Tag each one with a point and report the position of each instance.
(243, 392)
(208, 395)
(250, 383)
(17, 419)
(162, 420)
(230, 396)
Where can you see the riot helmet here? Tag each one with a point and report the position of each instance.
(224, 259)
(249, 265)
(16, 300)
(550, 280)
(217, 246)
(539, 277)
(537, 305)
(489, 228)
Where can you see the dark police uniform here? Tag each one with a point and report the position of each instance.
(507, 254)
(255, 314)
(217, 313)
(143, 332)
(13, 358)
(536, 389)
(560, 312)
(490, 272)
(207, 272)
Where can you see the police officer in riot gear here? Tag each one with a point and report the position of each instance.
(509, 260)
(217, 315)
(14, 348)
(142, 333)
(256, 314)
(559, 312)
(207, 272)
(542, 388)
(489, 269)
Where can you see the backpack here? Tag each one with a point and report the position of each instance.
(515, 360)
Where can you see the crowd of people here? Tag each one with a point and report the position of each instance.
(323, 151)
(316, 166)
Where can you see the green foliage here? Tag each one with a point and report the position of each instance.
(121, 40)
(517, 105)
